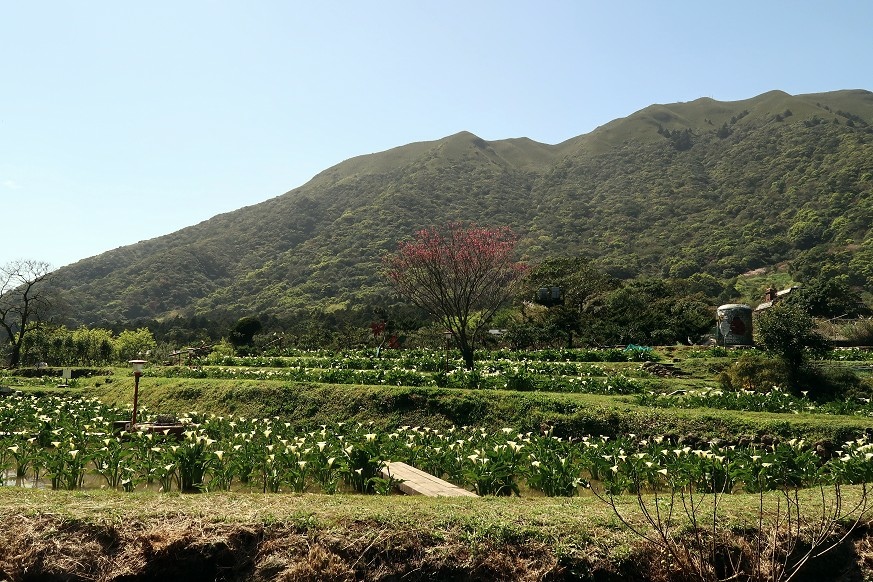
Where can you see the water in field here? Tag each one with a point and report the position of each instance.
(93, 481)
(42, 481)
(8, 478)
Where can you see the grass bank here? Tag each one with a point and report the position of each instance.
(103, 535)
(307, 405)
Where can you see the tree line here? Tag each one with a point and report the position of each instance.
(455, 283)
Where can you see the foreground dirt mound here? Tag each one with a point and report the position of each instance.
(46, 548)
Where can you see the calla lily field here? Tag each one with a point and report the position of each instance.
(57, 441)
(70, 441)
(701, 472)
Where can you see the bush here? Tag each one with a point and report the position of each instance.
(859, 332)
(520, 381)
(634, 353)
(754, 372)
(825, 384)
(221, 350)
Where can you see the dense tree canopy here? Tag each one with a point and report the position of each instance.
(580, 285)
(243, 332)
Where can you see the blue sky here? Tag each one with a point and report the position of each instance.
(124, 121)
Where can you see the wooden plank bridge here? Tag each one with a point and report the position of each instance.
(417, 482)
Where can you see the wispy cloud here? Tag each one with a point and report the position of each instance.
(11, 185)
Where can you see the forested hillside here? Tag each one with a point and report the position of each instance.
(705, 186)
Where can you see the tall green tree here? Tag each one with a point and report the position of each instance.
(244, 331)
(829, 296)
(581, 285)
(132, 345)
(47, 343)
(93, 346)
(651, 312)
(787, 332)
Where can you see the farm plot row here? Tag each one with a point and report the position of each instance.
(63, 442)
(776, 400)
(545, 376)
(498, 375)
(541, 372)
(429, 360)
(641, 387)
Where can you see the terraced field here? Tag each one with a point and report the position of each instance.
(576, 455)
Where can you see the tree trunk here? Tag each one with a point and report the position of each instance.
(466, 348)
(467, 354)
(15, 356)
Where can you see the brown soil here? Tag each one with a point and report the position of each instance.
(48, 548)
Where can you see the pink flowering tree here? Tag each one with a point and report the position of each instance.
(459, 274)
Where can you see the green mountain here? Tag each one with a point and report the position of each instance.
(718, 187)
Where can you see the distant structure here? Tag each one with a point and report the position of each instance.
(734, 325)
(549, 296)
(772, 297)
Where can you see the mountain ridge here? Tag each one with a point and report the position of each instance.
(670, 190)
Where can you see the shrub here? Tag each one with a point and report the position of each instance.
(634, 353)
(859, 333)
(221, 350)
(826, 384)
(754, 372)
(787, 332)
(520, 381)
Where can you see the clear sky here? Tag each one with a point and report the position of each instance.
(123, 121)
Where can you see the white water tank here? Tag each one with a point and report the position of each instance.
(734, 325)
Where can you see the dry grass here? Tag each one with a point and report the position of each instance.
(103, 536)
(98, 535)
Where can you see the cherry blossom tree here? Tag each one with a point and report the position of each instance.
(23, 299)
(460, 274)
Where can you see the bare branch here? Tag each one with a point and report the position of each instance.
(23, 301)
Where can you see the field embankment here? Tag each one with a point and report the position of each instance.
(102, 535)
(308, 405)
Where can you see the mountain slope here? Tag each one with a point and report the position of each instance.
(721, 187)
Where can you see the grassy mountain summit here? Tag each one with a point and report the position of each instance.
(720, 187)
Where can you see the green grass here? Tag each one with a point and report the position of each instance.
(752, 287)
(581, 533)
(309, 405)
